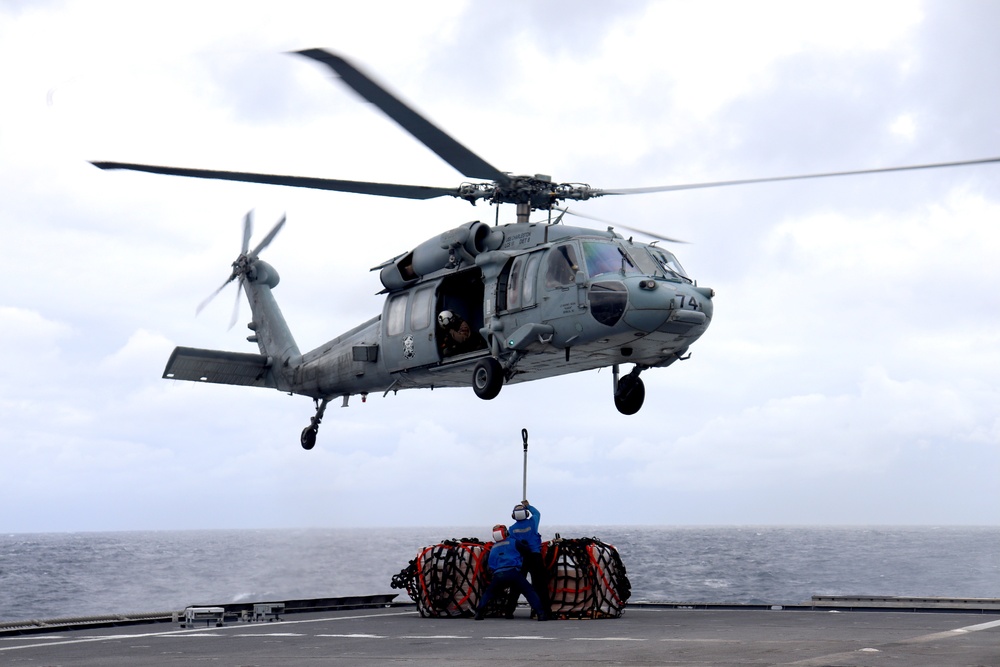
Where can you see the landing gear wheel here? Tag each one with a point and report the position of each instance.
(487, 378)
(630, 395)
(308, 438)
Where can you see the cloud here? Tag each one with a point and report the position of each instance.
(20, 326)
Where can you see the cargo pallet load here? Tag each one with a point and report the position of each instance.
(587, 579)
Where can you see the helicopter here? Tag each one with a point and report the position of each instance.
(478, 305)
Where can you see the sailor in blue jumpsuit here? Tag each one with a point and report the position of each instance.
(505, 563)
(525, 529)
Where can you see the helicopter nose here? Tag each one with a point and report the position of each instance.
(656, 305)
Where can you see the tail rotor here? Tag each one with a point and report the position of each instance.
(244, 263)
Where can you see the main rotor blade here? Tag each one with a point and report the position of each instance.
(266, 241)
(359, 187)
(719, 184)
(447, 148)
(654, 235)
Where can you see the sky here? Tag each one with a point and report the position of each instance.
(851, 374)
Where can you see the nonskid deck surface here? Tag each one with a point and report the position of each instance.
(645, 635)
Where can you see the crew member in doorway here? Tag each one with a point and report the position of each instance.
(454, 335)
(505, 563)
(525, 529)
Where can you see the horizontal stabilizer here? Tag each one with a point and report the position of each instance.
(219, 367)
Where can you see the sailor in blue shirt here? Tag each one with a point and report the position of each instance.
(505, 564)
(525, 526)
(525, 529)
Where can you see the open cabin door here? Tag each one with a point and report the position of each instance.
(413, 333)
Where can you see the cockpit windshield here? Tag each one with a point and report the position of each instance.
(602, 257)
(668, 263)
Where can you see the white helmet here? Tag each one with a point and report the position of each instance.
(520, 513)
(445, 318)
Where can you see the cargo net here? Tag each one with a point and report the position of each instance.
(446, 579)
(587, 579)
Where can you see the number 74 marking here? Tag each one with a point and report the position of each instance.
(691, 302)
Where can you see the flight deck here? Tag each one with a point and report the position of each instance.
(647, 634)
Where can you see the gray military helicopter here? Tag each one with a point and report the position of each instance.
(481, 305)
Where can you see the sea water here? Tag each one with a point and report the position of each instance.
(55, 575)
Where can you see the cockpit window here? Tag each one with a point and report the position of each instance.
(561, 266)
(669, 263)
(607, 258)
(647, 265)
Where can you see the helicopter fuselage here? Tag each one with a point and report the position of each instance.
(543, 299)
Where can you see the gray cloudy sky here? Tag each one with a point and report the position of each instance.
(851, 374)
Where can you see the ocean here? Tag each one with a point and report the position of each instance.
(58, 575)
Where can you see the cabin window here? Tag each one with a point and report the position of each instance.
(530, 279)
(420, 311)
(607, 258)
(396, 315)
(514, 284)
(561, 267)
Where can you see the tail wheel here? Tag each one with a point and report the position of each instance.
(487, 378)
(630, 395)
